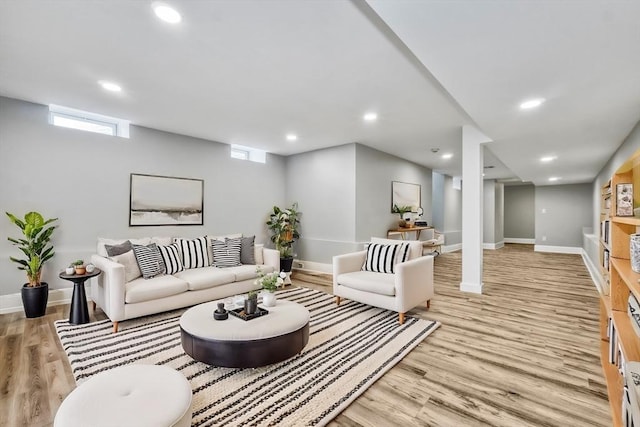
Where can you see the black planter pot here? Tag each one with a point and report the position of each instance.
(251, 305)
(34, 299)
(286, 264)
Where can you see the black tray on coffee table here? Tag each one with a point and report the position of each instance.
(239, 313)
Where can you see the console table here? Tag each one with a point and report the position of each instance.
(404, 230)
(79, 312)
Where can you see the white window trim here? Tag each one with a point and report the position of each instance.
(120, 126)
(253, 154)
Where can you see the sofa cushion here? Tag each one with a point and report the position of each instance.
(258, 253)
(206, 277)
(194, 252)
(383, 258)
(102, 241)
(114, 250)
(130, 264)
(140, 290)
(415, 246)
(210, 239)
(247, 272)
(171, 257)
(227, 253)
(368, 281)
(247, 252)
(149, 260)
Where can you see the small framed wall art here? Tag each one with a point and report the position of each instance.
(405, 194)
(165, 200)
(624, 200)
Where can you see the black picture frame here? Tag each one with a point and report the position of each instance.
(157, 200)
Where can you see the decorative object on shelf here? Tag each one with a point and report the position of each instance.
(90, 267)
(401, 210)
(79, 266)
(35, 246)
(634, 252)
(624, 200)
(69, 271)
(269, 283)
(165, 200)
(633, 310)
(220, 313)
(405, 194)
(251, 302)
(284, 226)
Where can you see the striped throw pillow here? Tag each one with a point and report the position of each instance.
(171, 257)
(193, 252)
(383, 258)
(149, 260)
(227, 253)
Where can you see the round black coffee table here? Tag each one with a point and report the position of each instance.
(79, 312)
(237, 343)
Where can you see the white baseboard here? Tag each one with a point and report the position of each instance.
(475, 288)
(452, 248)
(311, 266)
(13, 302)
(520, 241)
(594, 271)
(558, 249)
(493, 246)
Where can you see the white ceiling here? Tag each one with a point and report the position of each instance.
(249, 72)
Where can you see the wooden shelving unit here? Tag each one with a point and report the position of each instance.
(620, 280)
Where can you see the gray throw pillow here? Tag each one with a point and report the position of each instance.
(115, 250)
(247, 251)
(149, 260)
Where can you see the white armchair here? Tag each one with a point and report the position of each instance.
(410, 285)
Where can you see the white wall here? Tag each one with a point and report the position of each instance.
(519, 212)
(452, 212)
(83, 179)
(489, 211)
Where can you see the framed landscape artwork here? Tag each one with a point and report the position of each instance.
(405, 194)
(165, 200)
(624, 200)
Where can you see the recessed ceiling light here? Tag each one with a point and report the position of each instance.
(554, 178)
(547, 159)
(370, 117)
(531, 103)
(292, 137)
(110, 86)
(166, 13)
(447, 155)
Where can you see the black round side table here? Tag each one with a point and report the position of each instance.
(79, 312)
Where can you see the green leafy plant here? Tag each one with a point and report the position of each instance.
(284, 224)
(269, 281)
(252, 295)
(401, 210)
(77, 263)
(35, 244)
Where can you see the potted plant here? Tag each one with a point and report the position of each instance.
(251, 303)
(284, 224)
(37, 251)
(269, 283)
(401, 210)
(78, 265)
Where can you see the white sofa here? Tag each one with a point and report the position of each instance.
(410, 285)
(122, 300)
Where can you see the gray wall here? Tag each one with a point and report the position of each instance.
(568, 210)
(437, 209)
(489, 211)
(519, 212)
(499, 213)
(375, 171)
(452, 213)
(83, 179)
(323, 182)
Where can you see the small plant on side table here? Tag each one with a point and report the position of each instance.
(79, 266)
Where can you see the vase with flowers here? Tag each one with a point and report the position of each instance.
(269, 283)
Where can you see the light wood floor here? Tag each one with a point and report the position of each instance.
(525, 353)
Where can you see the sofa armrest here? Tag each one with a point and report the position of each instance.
(414, 282)
(347, 263)
(271, 257)
(109, 290)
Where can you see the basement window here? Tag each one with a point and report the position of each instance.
(241, 152)
(87, 121)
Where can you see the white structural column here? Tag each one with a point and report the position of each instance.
(472, 195)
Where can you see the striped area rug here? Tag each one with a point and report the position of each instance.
(350, 347)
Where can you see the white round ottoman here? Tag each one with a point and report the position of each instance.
(134, 395)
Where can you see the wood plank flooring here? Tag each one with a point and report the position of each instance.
(524, 353)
